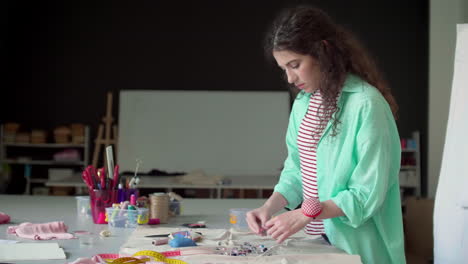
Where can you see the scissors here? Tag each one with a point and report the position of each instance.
(101, 173)
(87, 179)
(91, 175)
(115, 180)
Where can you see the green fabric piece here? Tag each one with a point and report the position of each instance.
(358, 170)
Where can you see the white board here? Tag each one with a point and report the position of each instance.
(31, 251)
(222, 132)
(451, 204)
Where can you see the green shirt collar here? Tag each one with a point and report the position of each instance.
(353, 84)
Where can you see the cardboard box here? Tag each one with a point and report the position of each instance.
(418, 225)
(62, 191)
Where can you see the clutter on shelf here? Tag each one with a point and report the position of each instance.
(64, 134)
(9, 132)
(67, 155)
(38, 136)
(77, 133)
(30, 152)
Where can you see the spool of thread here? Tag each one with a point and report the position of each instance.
(159, 207)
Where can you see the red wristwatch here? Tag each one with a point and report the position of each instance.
(311, 207)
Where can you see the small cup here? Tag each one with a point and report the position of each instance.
(83, 209)
(237, 218)
(174, 208)
(86, 240)
(99, 201)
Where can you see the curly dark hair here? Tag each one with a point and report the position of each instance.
(310, 31)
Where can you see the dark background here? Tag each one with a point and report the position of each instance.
(60, 58)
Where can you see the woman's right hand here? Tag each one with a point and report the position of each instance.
(257, 218)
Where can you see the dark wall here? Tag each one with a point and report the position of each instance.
(61, 58)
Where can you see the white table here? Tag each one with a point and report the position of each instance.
(40, 209)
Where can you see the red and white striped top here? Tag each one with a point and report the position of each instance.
(307, 140)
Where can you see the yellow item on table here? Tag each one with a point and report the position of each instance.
(152, 256)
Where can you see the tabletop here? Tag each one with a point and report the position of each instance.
(41, 209)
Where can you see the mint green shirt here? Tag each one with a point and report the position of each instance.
(358, 170)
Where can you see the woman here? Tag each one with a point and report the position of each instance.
(343, 145)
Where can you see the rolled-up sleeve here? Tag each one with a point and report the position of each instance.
(290, 184)
(377, 154)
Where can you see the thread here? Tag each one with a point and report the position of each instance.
(159, 207)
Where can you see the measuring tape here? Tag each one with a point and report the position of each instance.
(153, 255)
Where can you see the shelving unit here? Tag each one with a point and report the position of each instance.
(44, 162)
(43, 159)
(410, 174)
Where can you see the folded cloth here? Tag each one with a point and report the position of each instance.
(199, 176)
(4, 218)
(45, 231)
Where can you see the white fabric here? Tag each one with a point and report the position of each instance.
(451, 203)
(300, 248)
(326, 258)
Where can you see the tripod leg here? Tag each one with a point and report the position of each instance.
(97, 146)
(114, 128)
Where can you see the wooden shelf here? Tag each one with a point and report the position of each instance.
(409, 150)
(39, 180)
(43, 162)
(44, 145)
(410, 175)
(409, 186)
(27, 155)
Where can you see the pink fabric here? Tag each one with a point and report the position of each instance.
(93, 260)
(84, 261)
(98, 260)
(4, 218)
(46, 231)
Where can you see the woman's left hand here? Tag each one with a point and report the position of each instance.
(284, 225)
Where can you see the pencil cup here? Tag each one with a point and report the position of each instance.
(100, 200)
(124, 194)
(237, 218)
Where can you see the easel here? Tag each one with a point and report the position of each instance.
(107, 119)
